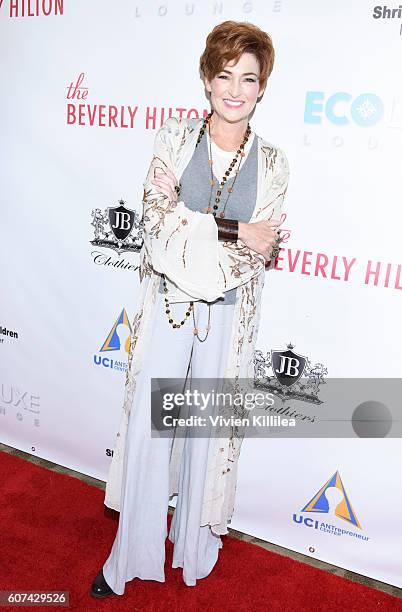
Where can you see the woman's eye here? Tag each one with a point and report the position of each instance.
(248, 80)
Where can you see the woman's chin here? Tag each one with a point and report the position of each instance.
(232, 115)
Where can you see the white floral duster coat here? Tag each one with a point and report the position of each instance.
(184, 245)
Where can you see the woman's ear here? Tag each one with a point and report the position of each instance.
(207, 85)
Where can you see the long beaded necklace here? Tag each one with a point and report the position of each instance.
(239, 154)
(210, 209)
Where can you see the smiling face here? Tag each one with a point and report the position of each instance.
(235, 89)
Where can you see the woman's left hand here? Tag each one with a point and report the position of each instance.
(166, 181)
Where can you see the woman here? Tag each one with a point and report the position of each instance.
(211, 208)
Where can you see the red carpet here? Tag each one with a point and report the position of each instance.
(56, 535)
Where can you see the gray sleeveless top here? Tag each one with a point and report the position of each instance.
(195, 189)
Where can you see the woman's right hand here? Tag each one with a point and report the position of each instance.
(260, 236)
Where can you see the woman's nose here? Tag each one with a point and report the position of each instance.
(235, 89)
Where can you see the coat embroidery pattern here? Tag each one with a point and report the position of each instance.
(183, 244)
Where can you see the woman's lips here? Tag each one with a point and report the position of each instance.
(233, 103)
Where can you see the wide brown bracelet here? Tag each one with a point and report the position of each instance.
(228, 229)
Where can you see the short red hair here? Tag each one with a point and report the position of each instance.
(229, 40)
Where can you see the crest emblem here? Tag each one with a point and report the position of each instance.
(289, 375)
(287, 366)
(117, 228)
(121, 220)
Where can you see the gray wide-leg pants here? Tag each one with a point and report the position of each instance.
(139, 547)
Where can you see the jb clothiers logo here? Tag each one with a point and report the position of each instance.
(117, 228)
(332, 500)
(293, 376)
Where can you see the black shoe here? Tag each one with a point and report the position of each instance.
(100, 587)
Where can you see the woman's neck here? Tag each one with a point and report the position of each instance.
(228, 136)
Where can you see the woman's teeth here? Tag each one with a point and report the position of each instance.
(233, 103)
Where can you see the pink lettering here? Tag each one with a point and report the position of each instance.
(369, 272)
(192, 111)
(149, 117)
(91, 115)
(387, 275)
(293, 262)
(132, 112)
(112, 115)
(306, 262)
(278, 259)
(101, 115)
(398, 278)
(81, 108)
(70, 114)
(333, 270)
(348, 266)
(76, 91)
(320, 266)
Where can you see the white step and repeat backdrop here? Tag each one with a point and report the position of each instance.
(84, 87)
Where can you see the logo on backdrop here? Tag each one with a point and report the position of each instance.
(321, 503)
(23, 8)
(21, 404)
(82, 113)
(7, 333)
(293, 375)
(388, 14)
(116, 342)
(192, 10)
(117, 228)
(342, 108)
(332, 500)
